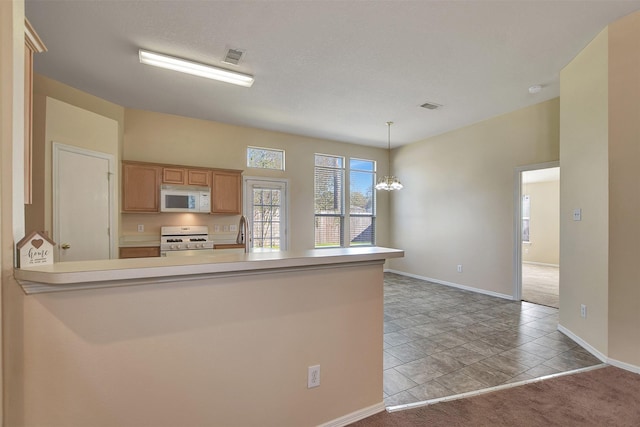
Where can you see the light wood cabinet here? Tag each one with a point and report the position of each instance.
(174, 176)
(200, 177)
(226, 192)
(32, 44)
(184, 176)
(140, 252)
(140, 187)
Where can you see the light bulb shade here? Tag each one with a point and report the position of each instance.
(195, 68)
(389, 183)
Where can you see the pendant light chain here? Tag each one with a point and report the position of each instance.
(389, 182)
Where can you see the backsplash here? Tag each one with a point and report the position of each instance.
(220, 226)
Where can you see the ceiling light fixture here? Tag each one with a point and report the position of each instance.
(389, 182)
(195, 68)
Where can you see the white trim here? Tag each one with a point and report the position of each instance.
(490, 389)
(582, 343)
(355, 416)
(453, 285)
(599, 354)
(113, 230)
(541, 263)
(623, 365)
(517, 222)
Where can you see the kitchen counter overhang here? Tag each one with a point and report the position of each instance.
(78, 275)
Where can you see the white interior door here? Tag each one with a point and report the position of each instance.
(265, 209)
(82, 203)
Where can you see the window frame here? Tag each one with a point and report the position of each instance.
(341, 215)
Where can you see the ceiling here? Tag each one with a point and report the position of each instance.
(336, 70)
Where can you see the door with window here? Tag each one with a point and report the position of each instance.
(266, 214)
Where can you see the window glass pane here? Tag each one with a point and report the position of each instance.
(329, 161)
(362, 165)
(361, 192)
(328, 190)
(362, 230)
(265, 158)
(328, 231)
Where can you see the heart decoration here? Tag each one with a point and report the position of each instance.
(37, 243)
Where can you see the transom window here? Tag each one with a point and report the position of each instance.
(265, 158)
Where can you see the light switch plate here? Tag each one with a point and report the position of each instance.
(577, 214)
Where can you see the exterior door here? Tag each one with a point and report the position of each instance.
(266, 214)
(82, 203)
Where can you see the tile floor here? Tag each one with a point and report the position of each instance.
(440, 341)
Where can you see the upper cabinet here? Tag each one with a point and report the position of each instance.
(140, 187)
(226, 192)
(199, 177)
(32, 44)
(185, 176)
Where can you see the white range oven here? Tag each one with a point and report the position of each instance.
(185, 240)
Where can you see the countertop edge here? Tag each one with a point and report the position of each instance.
(127, 272)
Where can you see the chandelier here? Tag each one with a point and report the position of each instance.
(389, 182)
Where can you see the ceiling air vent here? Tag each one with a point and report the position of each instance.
(431, 106)
(233, 56)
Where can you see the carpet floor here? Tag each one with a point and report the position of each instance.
(601, 397)
(540, 284)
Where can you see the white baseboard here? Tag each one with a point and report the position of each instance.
(591, 349)
(603, 357)
(355, 416)
(541, 263)
(623, 365)
(453, 285)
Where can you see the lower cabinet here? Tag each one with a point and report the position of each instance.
(140, 252)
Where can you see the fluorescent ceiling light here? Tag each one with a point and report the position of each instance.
(190, 67)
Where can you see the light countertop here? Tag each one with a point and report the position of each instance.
(133, 271)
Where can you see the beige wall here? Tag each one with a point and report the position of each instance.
(624, 197)
(77, 119)
(544, 228)
(163, 138)
(215, 352)
(11, 137)
(584, 245)
(457, 206)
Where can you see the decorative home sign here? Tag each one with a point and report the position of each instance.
(35, 249)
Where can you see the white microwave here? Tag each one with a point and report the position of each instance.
(175, 198)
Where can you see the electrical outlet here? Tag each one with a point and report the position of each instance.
(583, 311)
(233, 228)
(459, 268)
(140, 228)
(216, 228)
(225, 228)
(313, 376)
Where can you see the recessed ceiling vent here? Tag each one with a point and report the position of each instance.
(431, 106)
(233, 56)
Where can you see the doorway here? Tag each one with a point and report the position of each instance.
(266, 208)
(83, 197)
(538, 234)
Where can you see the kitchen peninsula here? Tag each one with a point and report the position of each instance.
(206, 340)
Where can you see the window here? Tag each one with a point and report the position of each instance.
(526, 216)
(265, 158)
(362, 206)
(329, 201)
(330, 196)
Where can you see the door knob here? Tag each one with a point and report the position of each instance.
(65, 246)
